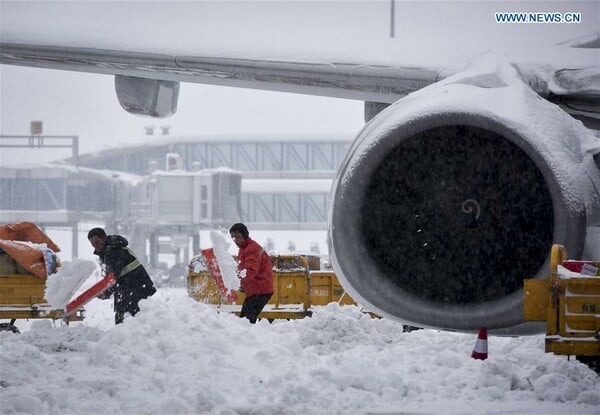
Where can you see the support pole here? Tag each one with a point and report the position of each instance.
(196, 243)
(153, 249)
(392, 21)
(74, 240)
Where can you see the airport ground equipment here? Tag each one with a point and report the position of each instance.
(22, 297)
(569, 302)
(27, 255)
(300, 285)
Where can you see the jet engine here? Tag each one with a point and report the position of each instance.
(453, 195)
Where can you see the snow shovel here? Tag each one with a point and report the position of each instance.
(215, 272)
(90, 294)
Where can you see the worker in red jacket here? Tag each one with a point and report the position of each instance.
(255, 271)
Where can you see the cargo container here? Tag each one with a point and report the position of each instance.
(569, 303)
(299, 286)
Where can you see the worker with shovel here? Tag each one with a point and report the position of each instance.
(255, 271)
(132, 281)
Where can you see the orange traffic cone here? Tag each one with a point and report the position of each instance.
(480, 350)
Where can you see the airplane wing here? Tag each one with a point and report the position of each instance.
(374, 83)
(576, 89)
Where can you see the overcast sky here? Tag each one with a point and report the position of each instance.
(437, 33)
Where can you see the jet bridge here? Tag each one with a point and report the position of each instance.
(165, 203)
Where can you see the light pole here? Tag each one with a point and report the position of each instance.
(392, 13)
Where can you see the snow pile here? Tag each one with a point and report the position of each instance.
(226, 263)
(62, 285)
(181, 357)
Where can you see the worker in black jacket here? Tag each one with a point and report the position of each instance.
(133, 282)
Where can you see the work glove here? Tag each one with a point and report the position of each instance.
(241, 275)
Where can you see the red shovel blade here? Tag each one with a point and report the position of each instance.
(90, 294)
(215, 272)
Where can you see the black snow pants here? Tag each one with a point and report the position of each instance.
(253, 305)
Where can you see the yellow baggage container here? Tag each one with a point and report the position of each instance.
(22, 296)
(325, 288)
(21, 292)
(25, 290)
(570, 304)
(202, 288)
(298, 286)
(291, 292)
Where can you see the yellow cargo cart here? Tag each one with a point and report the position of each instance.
(27, 255)
(569, 303)
(22, 297)
(299, 286)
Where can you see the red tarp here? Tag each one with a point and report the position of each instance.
(13, 240)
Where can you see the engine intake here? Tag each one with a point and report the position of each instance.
(443, 202)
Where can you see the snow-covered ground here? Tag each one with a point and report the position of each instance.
(178, 356)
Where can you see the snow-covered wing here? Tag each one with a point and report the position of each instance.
(377, 83)
(575, 88)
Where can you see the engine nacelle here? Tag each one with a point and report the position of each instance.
(452, 196)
